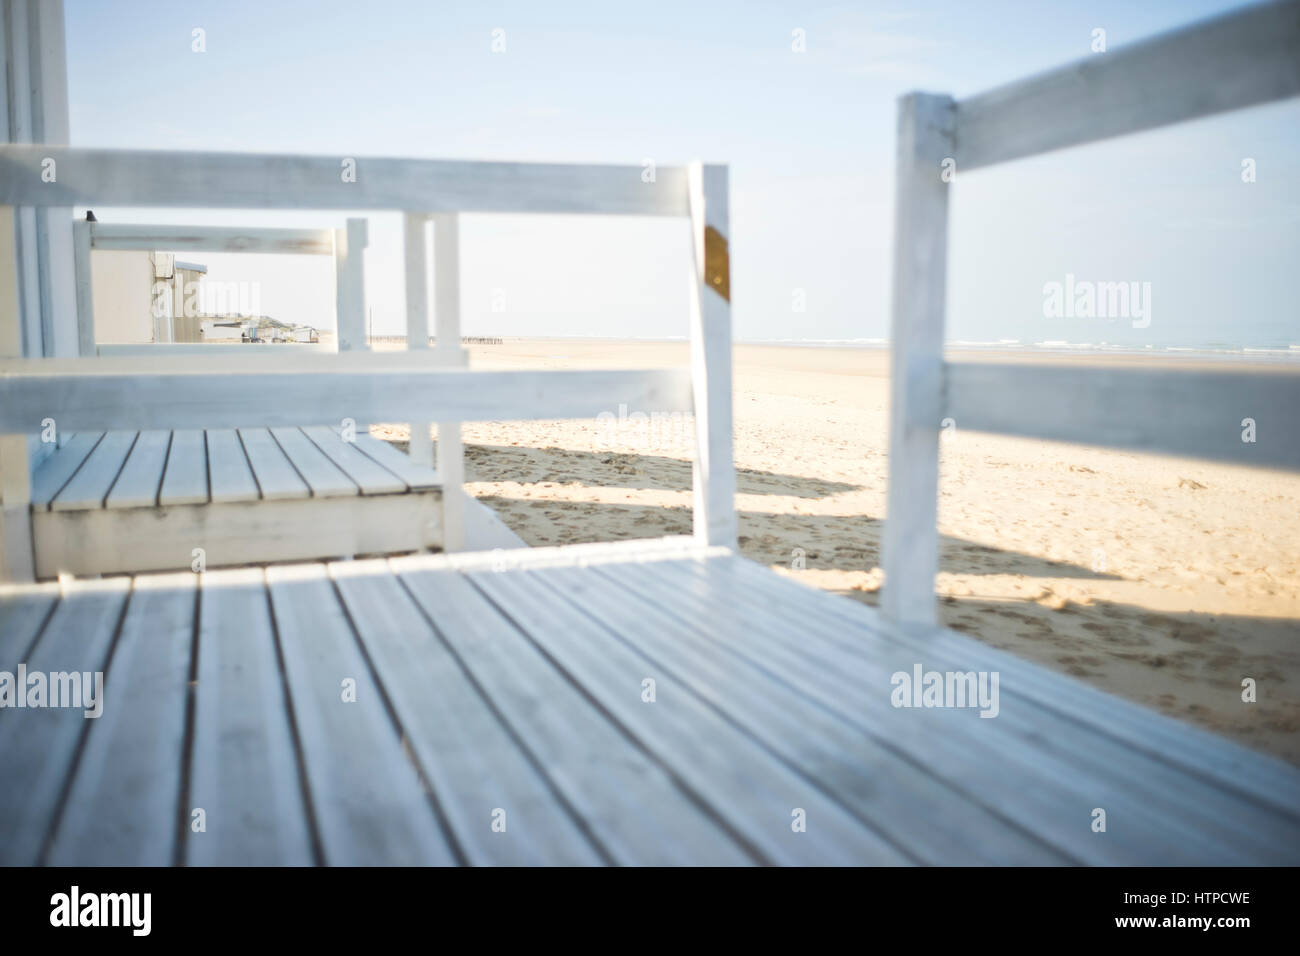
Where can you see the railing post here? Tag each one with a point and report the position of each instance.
(910, 546)
(81, 246)
(714, 472)
(16, 555)
(349, 271)
(451, 451)
(417, 320)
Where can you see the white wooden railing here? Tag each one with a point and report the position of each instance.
(118, 392)
(1245, 58)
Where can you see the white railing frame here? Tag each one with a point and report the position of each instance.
(114, 392)
(1245, 58)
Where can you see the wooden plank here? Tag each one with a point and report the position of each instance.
(244, 763)
(234, 533)
(415, 225)
(85, 299)
(370, 476)
(755, 795)
(59, 468)
(1244, 58)
(158, 178)
(1184, 412)
(1155, 815)
(185, 481)
(417, 477)
(451, 450)
(470, 759)
(90, 485)
(714, 480)
(109, 235)
(350, 280)
(935, 822)
(229, 473)
(1229, 766)
(323, 476)
(369, 802)
(215, 398)
(910, 543)
(38, 745)
(276, 477)
(168, 352)
(123, 807)
(633, 808)
(141, 477)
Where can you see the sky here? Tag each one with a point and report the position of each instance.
(809, 138)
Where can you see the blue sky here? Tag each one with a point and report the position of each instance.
(809, 137)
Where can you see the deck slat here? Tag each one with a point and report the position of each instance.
(244, 764)
(90, 485)
(275, 474)
(1148, 809)
(937, 823)
(186, 479)
(1227, 765)
(417, 477)
(633, 807)
(369, 802)
(137, 485)
(742, 781)
(37, 746)
(122, 807)
(321, 474)
(228, 468)
(56, 470)
(473, 765)
(370, 476)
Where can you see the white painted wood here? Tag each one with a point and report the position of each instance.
(634, 810)
(185, 481)
(213, 398)
(471, 761)
(484, 529)
(58, 469)
(90, 485)
(451, 450)
(349, 268)
(368, 801)
(723, 764)
(714, 468)
(122, 806)
(416, 477)
(417, 319)
(229, 474)
(85, 299)
(245, 770)
(37, 747)
(108, 235)
(371, 477)
(138, 483)
(276, 477)
(322, 475)
(910, 543)
(233, 533)
(1173, 411)
(1244, 58)
(160, 178)
(15, 464)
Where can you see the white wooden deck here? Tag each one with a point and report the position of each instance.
(510, 688)
(122, 501)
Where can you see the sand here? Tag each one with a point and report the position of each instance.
(1164, 580)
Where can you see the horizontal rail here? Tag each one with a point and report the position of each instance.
(213, 349)
(228, 396)
(105, 235)
(251, 181)
(1244, 58)
(1203, 414)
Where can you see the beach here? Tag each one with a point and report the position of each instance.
(1166, 581)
